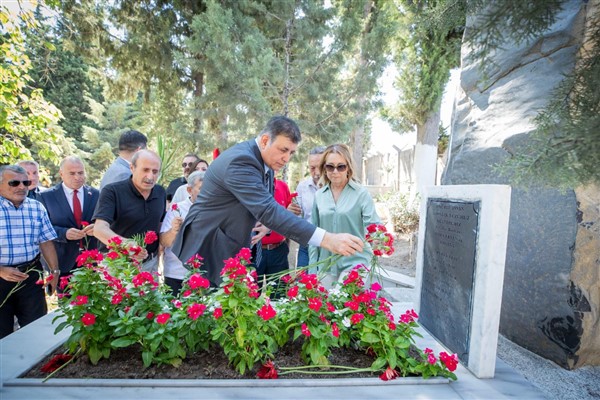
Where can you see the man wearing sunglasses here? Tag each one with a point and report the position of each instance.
(189, 160)
(129, 143)
(25, 231)
(235, 195)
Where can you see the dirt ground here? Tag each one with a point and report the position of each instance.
(127, 364)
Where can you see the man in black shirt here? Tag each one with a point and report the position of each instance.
(133, 206)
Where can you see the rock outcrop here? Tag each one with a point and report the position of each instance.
(551, 298)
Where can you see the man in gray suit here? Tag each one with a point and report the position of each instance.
(235, 195)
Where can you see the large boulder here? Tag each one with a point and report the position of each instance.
(551, 298)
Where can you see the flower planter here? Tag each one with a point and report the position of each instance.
(25, 348)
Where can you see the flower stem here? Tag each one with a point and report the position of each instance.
(62, 366)
(304, 369)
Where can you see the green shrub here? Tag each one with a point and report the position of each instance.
(403, 213)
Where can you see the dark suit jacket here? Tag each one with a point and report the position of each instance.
(62, 219)
(233, 197)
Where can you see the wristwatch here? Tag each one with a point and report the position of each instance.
(55, 271)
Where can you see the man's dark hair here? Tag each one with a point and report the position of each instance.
(283, 126)
(132, 140)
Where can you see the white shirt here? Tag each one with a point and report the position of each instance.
(69, 193)
(306, 196)
(173, 267)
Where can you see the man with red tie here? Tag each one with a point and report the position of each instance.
(70, 206)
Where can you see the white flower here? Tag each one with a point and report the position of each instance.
(346, 322)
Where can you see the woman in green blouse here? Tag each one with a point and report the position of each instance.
(342, 205)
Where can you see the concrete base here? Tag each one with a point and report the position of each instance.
(26, 347)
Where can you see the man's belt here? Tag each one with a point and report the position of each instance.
(272, 246)
(23, 267)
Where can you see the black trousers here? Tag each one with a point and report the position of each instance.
(27, 303)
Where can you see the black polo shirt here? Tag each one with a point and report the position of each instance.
(128, 213)
(174, 185)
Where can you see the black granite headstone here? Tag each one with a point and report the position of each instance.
(451, 232)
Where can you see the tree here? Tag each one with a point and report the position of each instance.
(61, 74)
(425, 52)
(28, 123)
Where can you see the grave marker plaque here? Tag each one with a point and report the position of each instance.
(448, 272)
(460, 269)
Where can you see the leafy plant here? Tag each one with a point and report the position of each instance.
(403, 212)
(111, 305)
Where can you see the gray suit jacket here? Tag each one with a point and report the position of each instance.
(233, 197)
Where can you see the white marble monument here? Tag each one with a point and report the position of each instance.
(460, 269)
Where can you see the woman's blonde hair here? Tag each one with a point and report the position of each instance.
(342, 150)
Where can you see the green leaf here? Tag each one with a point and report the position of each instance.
(122, 342)
(147, 358)
(369, 337)
(94, 354)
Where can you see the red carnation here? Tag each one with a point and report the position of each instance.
(267, 371)
(150, 237)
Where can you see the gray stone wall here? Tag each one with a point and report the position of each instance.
(548, 306)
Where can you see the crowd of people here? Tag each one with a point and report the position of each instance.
(212, 211)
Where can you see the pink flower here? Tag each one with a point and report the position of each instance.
(389, 374)
(116, 299)
(88, 319)
(330, 307)
(392, 326)
(356, 318)
(375, 287)
(187, 293)
(266, 312)
(315, 304)
(176, 303)
(198, 281)
(163, 318)
(292, 292)
(218, 313)
(431, 359)
(409, 316)
(335, 331)
(84, 224)
(150, 237)
(267, 371)
(353, 305)
(244, 254)
(305, 330)
(116, 240)
(39, 282)
(174, 207)
(195, 310)
(113, 255)
(450, 361)
(150, 315)
(80, 300)
(64, 281)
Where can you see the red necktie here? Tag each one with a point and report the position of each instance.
(77, 209)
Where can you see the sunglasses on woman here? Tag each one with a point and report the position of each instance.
(15, 183)
(339, 167)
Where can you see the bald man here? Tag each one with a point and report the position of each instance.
(70, 206)
(133, 206)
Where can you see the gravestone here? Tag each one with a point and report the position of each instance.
(460, 269)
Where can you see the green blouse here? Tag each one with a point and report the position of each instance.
(352, 213)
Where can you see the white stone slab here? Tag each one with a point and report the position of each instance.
(490, 258)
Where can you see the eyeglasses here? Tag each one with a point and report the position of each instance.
(189, 164)
(339, 167)
(17, 183)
